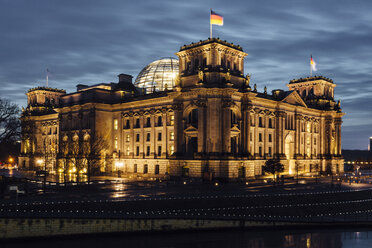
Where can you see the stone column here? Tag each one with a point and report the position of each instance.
(226, 125)
(328, 136)
(298, 118)
(245, 128)
(164, 138)
(338, 123)
(279, 126)
(265, 134)
(178, 128)
(202, 122)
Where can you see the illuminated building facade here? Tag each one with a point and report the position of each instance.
(209, 122)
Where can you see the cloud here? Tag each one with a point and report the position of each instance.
(93, 41)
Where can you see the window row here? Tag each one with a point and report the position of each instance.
(148, 137)
(147, 151)
(147, 122)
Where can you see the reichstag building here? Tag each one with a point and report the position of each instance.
(195, 116)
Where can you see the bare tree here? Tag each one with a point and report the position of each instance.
(9, 126)
(93, 151)
(85, 153)
(9, 121)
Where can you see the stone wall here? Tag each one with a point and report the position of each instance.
(20, 228)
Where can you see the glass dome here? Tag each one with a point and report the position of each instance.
(158, 75)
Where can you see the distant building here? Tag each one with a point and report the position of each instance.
(205, 118)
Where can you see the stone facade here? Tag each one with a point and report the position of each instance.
(211, 124)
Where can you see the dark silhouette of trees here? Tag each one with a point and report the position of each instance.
(10, 128)
(86, 154)
(273, 167)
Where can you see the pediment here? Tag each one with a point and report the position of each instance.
(294, 98)
(190, 129)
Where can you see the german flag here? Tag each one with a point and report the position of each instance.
(216, 19)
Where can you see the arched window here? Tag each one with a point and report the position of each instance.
(148, 122)
(270, 123)
(260, 123)
(160, 121)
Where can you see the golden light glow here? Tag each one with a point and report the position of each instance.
(119, 164)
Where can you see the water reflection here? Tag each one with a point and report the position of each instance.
(221, 239)
(71, 177)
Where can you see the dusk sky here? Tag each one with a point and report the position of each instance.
(93, 41)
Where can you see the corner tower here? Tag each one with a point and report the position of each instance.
(317, 92)
(211, 63)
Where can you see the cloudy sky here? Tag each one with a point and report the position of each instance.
(92, 41)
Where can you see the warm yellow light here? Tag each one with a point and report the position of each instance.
(11, 160)
(39, 161)
(119, 164)
(60, 170)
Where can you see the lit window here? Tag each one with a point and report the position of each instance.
(172, 120)
(308, 127)
(171, 150)
(127, 138)
(116, 124)
(171, 136)
(128, 150)
(116, 143)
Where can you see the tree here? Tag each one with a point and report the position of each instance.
(9, 127)
(85, 153)
(273, 166)
(93, 151)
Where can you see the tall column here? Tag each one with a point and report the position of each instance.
(202, 122)
(225, 119)
(256, 140)
(265, 134)
(164, 138)
(178, 128)
(338, 123)
(279, 132)
(328, 136)
(245, 128)
(298, 118)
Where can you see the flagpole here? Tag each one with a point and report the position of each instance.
(210, 29)
(47, 77)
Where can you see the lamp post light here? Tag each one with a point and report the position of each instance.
(119, 165)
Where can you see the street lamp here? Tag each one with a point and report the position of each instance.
(118, 166)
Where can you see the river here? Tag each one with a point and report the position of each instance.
(303, 238)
